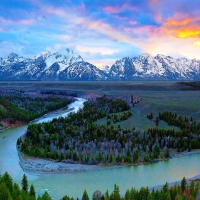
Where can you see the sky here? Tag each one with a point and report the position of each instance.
(101, 31)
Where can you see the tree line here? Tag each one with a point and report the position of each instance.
(25, 108)
(12, 191)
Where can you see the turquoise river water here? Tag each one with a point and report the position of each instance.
(73, 184)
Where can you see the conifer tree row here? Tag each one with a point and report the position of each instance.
(25, 108)
(12, 191)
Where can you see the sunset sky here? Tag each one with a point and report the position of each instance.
(101, 31)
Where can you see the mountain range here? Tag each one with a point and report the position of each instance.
(66, 65)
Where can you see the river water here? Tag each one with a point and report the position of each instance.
(73, 184)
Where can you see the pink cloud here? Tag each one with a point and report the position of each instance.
(132, 22)
(26, 21)
(111, 9)
(127, 30)
(154, 1)
(20, 22)
(98, 26)
(118, 9)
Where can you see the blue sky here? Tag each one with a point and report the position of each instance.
(100, 31)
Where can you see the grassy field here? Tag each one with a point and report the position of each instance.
(138, 120)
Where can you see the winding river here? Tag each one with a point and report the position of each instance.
(73, 184)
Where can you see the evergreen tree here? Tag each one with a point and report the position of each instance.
(115, 194)
(107, 195)
(127, 195)
(67, 198)
(6, 178)
(85, 195)
(45, 196)
(4, 192)
(24, 183)
(165, 188)
(32, 191)
(183, 184)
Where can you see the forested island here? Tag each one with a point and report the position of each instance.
(12, 191)
(79, 138)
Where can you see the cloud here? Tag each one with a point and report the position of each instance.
(102, 53)
(132, 22)
(99, 30)
(197, 44)
(121, 18)
(120, 8)
(7, 47)
(17, 22)
(154, 1)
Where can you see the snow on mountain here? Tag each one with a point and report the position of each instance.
(66, 65)
(62, 65)
(160, 67)
(106, 69)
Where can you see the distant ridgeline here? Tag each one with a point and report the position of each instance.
(195, 85)
(24, 107)
(66, 65)
(11, 191)
(79, 138)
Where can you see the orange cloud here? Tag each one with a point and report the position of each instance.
(180, 20)
(178, 26)
(187, 33)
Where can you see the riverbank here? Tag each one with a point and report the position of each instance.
(36, 165)
(42, 166)
(5, 126)
(61, 111)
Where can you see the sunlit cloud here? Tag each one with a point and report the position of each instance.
(197, 44)
(188, 33)
(101, 31)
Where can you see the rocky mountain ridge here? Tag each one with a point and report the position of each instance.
(60, 66)
(66, 65)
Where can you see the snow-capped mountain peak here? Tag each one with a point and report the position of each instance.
(61, 65)
(160, 67)
(67, 65)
